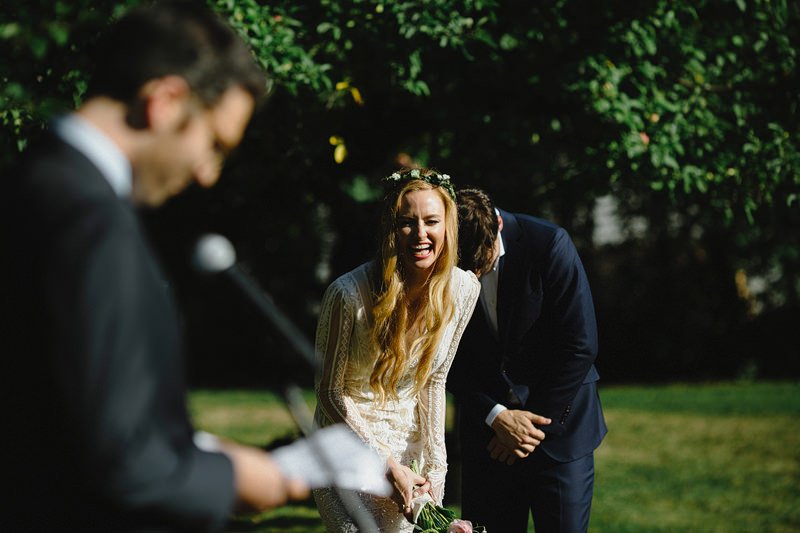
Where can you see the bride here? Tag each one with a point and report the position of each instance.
(386, 336)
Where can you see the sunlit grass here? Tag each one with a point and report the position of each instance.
(684, 457)
(251, 417)
(718, 457)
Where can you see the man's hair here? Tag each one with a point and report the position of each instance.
(180, 38)
(477, 230)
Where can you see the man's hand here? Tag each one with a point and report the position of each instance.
(260, 485)
(501, 453)
(515, 435)
(334, 456)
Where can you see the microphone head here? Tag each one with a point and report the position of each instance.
(213, 253)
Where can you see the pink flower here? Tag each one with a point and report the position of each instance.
(460, 526)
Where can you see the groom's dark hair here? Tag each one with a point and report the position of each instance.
(477, 230)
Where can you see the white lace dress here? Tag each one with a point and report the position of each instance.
(410, 427)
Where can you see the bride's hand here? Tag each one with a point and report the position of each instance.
(407, 486)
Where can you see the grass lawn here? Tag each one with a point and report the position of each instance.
(712, 457)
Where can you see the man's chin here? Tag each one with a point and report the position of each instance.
(154, 198)
(150, 201)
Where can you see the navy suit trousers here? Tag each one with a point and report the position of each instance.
(500, 496)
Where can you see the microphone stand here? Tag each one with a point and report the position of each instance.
(292, 394)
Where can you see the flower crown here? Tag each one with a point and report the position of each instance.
(434, 178)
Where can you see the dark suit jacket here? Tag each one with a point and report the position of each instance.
(95, 414)
(547, 340)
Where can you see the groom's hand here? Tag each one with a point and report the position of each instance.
(500, 453)
(515, 434)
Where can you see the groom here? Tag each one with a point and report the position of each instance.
(524, 376)
(100, 435)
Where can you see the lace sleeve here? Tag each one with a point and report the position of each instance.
(333, 347)
(433, 401)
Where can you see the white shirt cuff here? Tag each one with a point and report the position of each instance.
(496, 410)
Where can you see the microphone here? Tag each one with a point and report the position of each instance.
(214, 254)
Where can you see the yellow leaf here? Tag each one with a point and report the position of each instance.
(334, 140)
(356, 96)
(342, 85)
(339, 153)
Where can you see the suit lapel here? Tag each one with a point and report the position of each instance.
(510, 271)
(479, 315)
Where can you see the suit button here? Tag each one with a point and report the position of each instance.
(564, 414)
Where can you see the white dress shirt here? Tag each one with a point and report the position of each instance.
(488, 298)
(101, 151)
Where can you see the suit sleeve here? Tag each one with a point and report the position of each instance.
(473, 383)
(474, 378)
(570, 318)
(120, 376)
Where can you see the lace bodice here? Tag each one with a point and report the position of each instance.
(409, 427)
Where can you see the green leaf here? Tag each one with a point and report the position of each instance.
(59, 32)
(9, 30)
(508, 42)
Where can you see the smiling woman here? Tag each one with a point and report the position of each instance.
(387, 334)
(421, 233)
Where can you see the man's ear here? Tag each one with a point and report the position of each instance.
(165, 103)
(499, 223)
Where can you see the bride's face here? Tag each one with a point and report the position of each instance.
(421, 231)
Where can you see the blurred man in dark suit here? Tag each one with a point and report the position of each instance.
(524, 376)
(96, 417)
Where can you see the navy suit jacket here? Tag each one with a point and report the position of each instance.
(547, 341)
(98, 437)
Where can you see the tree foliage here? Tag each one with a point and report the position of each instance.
(702, 97)
(680, 116)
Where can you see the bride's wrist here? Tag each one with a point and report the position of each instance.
(391, 465)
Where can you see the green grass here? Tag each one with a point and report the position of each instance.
(715, 457)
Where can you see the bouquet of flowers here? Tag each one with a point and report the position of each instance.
(432, 518)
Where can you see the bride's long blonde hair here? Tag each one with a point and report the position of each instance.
(391, 310)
